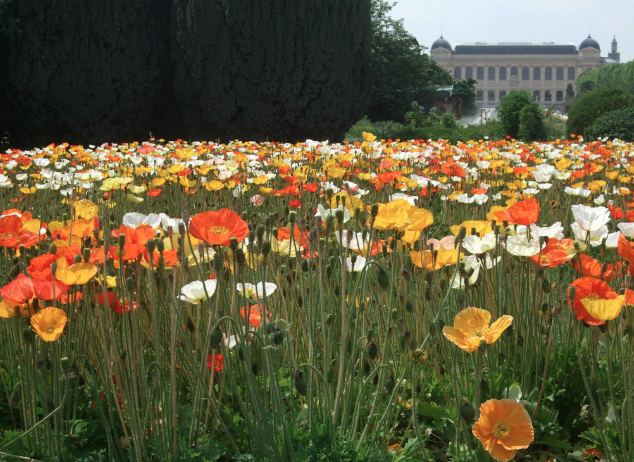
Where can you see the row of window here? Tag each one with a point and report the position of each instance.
(526, 71)
(559, 95)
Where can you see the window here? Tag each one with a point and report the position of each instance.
(571, 73)
(560, 73)
(513, 71)
(547, 96)
(491, 75)
(526, 73)
(536, 95)
(491, 96)
(537, 73)
(457, 73)
(480, 95)
(469, 73)
(480, 73)
(502, 94)
(503, 73)
(559, 96)
(548, 73)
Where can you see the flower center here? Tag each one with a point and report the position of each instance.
(50, 331)
(7, 235)
(219, 230)
(479, 333)
(501, 430)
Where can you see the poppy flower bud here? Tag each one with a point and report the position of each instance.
(373, 351)
(330, 319)
(628, 281)
(301, 386)
(383, 279)
(389, 384)
(160, 246)
(77, 259)
(357, 211)
(409, 307)
(394, 314)
(54, 268)
(520, 340)
(466, 411)
(406, 274)
(432, 329)
(571, 292)
(407, 335)
(384, 250)
(462, 233)
(543, 240)
(39, 362)
(130, 284)
(121, 240)
(501, 358)
(28, 335)
(52, 249)
(240, 257)
(427, 294)
(374, 210)
(483, 346)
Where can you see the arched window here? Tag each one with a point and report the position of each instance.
(491, 75)
(502, 94)
(571, 73)
(503, 73)
(536, 95)
(480, 73)
(560, 73)
(513, 71)
(548, 96)
(469, 73)
(491, 96)
(480, 95)
(548, 73)
(537, 73)
(526, 73)
(457, 73)
(559, 96)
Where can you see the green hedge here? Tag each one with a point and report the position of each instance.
(615, 124)
(593, 105)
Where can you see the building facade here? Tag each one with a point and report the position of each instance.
(545, 69)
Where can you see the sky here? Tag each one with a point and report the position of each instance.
(521, 21)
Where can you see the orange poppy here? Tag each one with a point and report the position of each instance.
(18, 291)
(504, 427)
(284, 234)
(12, 235)
(444, 257)
(40, 267)
(555, 253)
(45, 289)
(592, 268)
(590, 288)
(524, 212)
(112, 301)
(49, 323)
(255, 315)
(217, 228)
(471, 326)
(625, 249)
(129, 252)
(170, 258)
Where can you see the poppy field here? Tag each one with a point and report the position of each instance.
(385, 300)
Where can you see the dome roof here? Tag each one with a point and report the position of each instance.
(441, 43)
(589, 43)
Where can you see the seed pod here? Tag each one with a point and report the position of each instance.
(277, 336)
(544, 307)
(215, 337)
(370, 335)
(571, 292)
(373, 351)
(394, 315)
(389, 384)
(546, 287)
(366, 367)
(330, 319)
(520, 340)
(409, 307)
(413, 345)
(65, 363)
(432, 329)
(301, 386)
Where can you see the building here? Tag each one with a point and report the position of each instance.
(542, 68)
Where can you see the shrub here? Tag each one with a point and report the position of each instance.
(595, 104)
(511, 107)
(614, 124)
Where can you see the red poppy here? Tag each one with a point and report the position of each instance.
(113, 301)
(524, 212)
(139, 235)
(592, 268)
(217, 228)
(290, 179)
(18, 291)
(284, 169)
(72, 298)
(12, 235)
(129, 252)
(587, 288)
(555, 253)
(170, 258)
(255, 316)
(295, 204)
(625, 249)
(312, 187)
(40, 267)
(154, 192)
(284, 234)
(45, 289)
(215, 361)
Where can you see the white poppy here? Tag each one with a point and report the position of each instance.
(359, 264)
(596, 237)
(256, 291)
(591, 218)
(478, 245)
(196, 291)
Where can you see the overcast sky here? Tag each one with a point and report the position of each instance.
(521, 21)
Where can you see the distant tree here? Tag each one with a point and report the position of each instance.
(593, 105)
(570, 92)
(85, 71)
(532, 127)
(281, 70)
(511, 115)
(401, 73)
(618, 75)
(465, 89)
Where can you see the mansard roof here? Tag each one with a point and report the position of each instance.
(516, 48)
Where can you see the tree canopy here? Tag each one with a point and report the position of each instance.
(593, 105)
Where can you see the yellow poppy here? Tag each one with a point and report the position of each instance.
(49, 323)
(471, 326)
